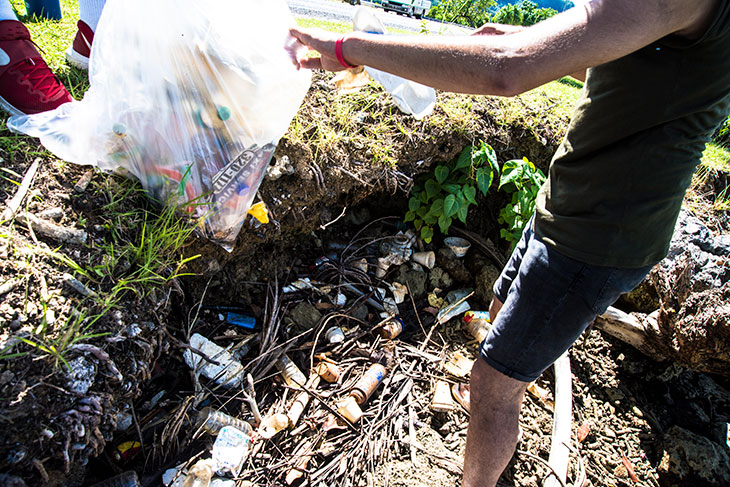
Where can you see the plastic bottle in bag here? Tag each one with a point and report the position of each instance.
(411, 97)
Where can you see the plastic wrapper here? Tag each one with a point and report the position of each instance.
(188, 96)
(411, 97)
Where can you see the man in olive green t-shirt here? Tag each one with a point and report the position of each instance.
(658, 84)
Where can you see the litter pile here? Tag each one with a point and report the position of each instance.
(334, 377)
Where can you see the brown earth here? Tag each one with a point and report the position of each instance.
(661, 417)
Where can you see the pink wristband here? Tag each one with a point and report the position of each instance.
(338, 53)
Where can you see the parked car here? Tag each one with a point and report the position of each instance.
(411, 8)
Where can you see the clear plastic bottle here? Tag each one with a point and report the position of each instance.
(290, 372)
(125, 479)
(230, 450)
(199, 474)
(477, 324)
(212, 421)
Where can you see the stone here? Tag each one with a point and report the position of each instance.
(439, 278)
(484, 281)
(305, 316)
(414, 279)
(691, 459)
(453, 265)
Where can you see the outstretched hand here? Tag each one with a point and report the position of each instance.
(305, 40)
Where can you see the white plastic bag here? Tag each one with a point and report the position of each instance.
(411, 97)
(189, 96)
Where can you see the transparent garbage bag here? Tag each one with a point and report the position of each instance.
(411, 97)
(188, 96)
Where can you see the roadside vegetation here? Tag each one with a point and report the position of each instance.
(139, 252)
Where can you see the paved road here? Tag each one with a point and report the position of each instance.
(343, 12)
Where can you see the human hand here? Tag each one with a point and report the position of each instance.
(323, 42)
(497, 29)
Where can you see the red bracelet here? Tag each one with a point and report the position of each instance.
(338, 53)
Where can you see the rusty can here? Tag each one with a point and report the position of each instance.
(369, 381)
(391, 329)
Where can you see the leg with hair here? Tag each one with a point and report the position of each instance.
(493, 426)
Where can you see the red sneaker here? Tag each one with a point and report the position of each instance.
(27, 84)
(78, 53)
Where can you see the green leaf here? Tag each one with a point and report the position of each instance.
(463, 211)
(444, 224)
(423, 197)
(422, 211)
(451, 205)
(491, 156)
(414, 204)
(464, 159)
(427, 234)
(432, 188)
(410, 216)
(430, 219)
(451, 188)
(418, 223)
(437, 207)
(470, 193)
(441, 173)
(512, 172)
(484, 179)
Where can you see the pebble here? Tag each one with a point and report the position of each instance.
(609, 432)
(637, 412)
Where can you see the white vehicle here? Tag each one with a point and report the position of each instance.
(411, 8)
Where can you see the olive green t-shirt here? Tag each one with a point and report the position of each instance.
(617, 181)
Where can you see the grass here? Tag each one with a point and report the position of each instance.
(715, 166)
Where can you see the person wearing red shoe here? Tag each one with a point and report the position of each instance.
(27, 85)
(79, 51)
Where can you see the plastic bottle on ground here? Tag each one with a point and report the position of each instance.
(212, 421)
(290, 372)
(477, 324)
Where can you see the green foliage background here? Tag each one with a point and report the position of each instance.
(475, 13)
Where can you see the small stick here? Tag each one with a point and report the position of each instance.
(412, 442)
(249, 395)
(48, 229)
(15, 202)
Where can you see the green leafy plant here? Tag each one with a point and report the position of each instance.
(447, 193)
(521, 178)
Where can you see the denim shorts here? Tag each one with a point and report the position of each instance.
(549, 300)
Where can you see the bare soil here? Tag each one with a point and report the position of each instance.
(63, 430)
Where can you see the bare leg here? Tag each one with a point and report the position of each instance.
(494, 424)
(494, 308)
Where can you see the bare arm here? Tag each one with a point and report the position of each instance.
(511, 63)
